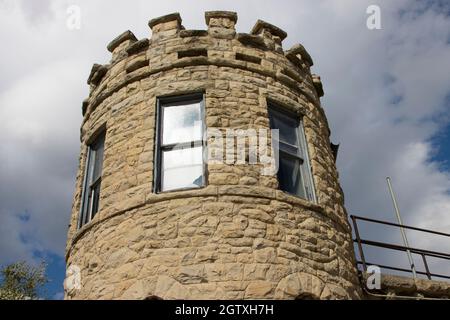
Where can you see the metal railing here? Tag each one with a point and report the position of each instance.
(421, 252)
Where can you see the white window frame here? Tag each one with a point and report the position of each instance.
(165, 102)
(89, 192)
(302, 150)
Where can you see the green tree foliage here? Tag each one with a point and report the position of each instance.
(21, 281)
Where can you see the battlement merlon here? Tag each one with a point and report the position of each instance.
(264, 28)
(298, 49)
(221, 24)
(165, 26)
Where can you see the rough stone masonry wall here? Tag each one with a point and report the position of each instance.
(239, 237)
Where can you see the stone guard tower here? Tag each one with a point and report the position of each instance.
(152, 218)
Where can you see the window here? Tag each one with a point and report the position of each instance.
(92, 180)
(180, 145)
(294, 173)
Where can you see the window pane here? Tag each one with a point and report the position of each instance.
(98, 162)
(288, 148)
(95, 199)
(90, 167)
(87, 192)
(86, 208)
(289, 176)
(287, 127)
(182, 123)
(182, 169)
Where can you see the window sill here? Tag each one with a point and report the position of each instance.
(298, 197)
(180, 190)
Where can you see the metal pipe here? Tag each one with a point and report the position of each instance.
(436, 275)
(434, 254)
(400, 222)
(426, 266)
(404, 226)
(358, 239)
(399, 297)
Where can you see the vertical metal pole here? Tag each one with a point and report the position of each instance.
(426, 266)
(358, 239)
(400, 222)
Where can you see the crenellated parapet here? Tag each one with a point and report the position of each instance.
(172, 46)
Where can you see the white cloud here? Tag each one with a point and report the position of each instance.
(364, 72)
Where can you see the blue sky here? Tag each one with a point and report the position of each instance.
(442, 143)
(386, 97)
(55, 273)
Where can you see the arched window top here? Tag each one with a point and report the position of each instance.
(152, 297)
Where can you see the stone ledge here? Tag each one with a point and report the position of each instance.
(252, 40)
(84, 106)
(211, 190)
(138, 46)
(166, 18)
(97, 74)
(94, 69)
(193, 33)
(231, 15)
(127, 35)
(399, 287)
(299, 49)
(273, 30)
(318, 85)
(136, 65)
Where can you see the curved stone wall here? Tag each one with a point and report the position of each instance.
(238, 237)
